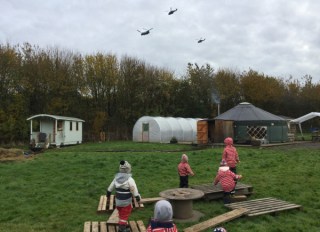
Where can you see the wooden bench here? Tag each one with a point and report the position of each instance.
(95, 226)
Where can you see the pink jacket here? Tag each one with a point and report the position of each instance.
(230, 154)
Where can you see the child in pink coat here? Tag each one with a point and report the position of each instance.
(230, 155)
(184, 171)
(227, 180)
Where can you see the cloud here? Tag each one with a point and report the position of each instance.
(279, 38)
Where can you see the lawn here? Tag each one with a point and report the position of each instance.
(59, 190)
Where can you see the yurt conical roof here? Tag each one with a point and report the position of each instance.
(247, 112)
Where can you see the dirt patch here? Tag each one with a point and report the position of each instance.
(14, 154)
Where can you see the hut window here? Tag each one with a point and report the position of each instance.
(257, 132)
(70, 126)
(60, 123)
(77, 126)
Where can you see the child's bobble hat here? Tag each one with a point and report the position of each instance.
(124, 167)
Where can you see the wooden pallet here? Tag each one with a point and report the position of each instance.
(135, 226)
(217, 220)
(212, 192)
(263, 206)
(108, 204)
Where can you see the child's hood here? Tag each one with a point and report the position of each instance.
(223, 169)
(122, 177)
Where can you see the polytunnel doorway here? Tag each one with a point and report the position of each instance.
(145, 132)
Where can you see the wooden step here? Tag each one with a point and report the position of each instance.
(95, 226)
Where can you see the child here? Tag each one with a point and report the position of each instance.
(125, 188)
(230, 155)
(227, 180)
(162, 220)
(184, 171)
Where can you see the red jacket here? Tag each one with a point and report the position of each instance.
(184, 169)
(230, 155)
(162, 229)
(226, 179)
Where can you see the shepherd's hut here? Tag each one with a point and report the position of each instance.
(52, 130)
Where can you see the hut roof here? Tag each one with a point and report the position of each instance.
(247, 112)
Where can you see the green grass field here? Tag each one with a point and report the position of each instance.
(59, 190)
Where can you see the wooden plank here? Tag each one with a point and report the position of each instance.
(238, 198)
(111, 202)
(112, 228)
(104, 202)
(135, 203)
(151, 200)
(264, 206)
(103, 227)
(217, 220)
(212, 192)
(87, 227)
(114, 218)
(141, 226)
(133, 226)
(273, 210)
(108, 204)
(95, 226)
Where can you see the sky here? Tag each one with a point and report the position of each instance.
(279, 38)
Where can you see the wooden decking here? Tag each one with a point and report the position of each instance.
(108, 204)
(94, 226)
(212, 192)
(264, 206)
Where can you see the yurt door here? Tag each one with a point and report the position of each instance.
(145, 132)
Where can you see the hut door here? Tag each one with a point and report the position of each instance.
(202, 132)
(145, 132)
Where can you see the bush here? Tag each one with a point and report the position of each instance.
(173, 140)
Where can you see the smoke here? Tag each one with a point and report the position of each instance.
(215, 96)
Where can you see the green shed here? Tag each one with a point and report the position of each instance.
(245, 123)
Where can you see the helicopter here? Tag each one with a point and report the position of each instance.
(201, 40)
(172, 11)
(146, 32)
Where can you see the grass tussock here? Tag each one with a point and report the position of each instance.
(59, 190)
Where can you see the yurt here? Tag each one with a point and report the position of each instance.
(164, 129)
(245, 123)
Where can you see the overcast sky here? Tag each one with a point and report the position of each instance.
(275, 37)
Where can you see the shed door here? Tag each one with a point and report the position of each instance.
(202, 132)
(145, 132)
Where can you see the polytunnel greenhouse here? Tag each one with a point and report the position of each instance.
(163, 129)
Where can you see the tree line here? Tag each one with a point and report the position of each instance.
(112, 93)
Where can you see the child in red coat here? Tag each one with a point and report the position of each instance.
(126, 188)
(230, 155)
(184, 171)
(162, 219)
(227, 180)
